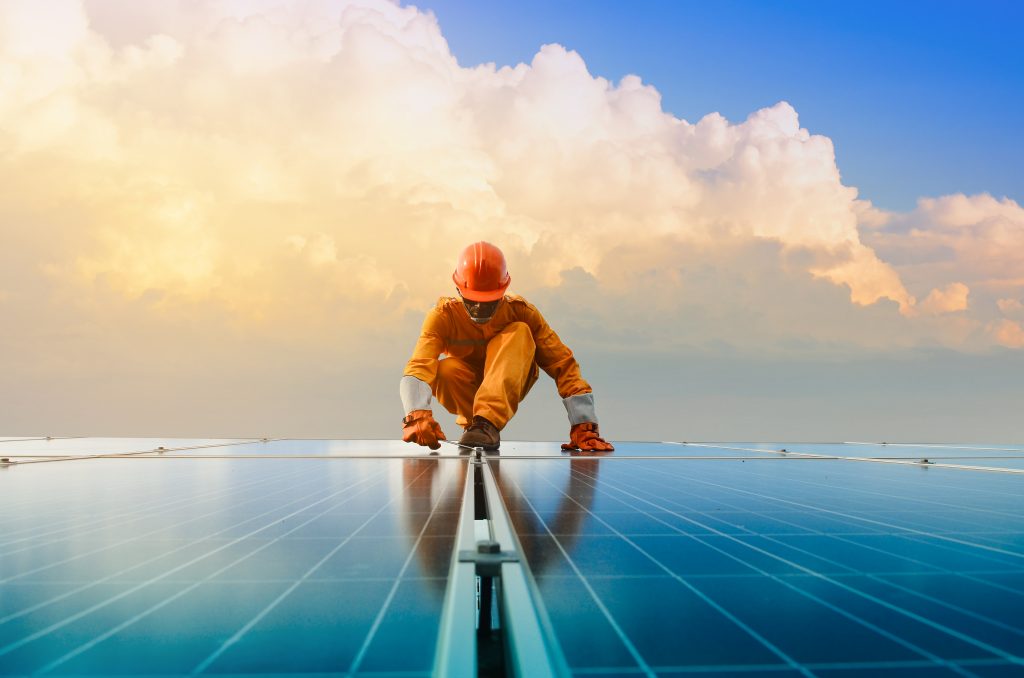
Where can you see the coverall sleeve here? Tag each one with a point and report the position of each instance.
(553, 356)
(423, 363)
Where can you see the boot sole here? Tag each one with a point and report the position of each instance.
(488, 448)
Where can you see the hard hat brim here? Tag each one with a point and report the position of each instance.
(481, 295)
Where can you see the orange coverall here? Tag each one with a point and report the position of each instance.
(490, 367)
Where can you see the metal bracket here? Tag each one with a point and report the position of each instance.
(488, 558)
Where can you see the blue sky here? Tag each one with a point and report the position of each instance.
(920, 98)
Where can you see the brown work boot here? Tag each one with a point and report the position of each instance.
(481, 433)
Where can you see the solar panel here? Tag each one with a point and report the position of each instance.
(168, 565)
(178, 557)
(776, 564)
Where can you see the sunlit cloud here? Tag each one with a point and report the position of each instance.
(1008, 333)
(950, 299)
(978, 241)
(1010, 307)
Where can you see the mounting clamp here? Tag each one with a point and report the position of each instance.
(488, 558)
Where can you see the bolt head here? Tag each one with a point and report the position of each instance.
(488, 546)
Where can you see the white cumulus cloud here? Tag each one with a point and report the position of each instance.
(950, 299)
(1008, 333)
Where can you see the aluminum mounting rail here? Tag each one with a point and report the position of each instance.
(528, 640)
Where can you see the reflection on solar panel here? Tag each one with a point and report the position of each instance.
(255, 557)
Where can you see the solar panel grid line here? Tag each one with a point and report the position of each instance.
(937, 482)
(953, 456)
(975, 615)
(584, 507)
(773, 648)
(120, 627)
(36, 455)
(998, 538)
(79, 457)
(965, 575)
(955, 552)
(159, 556)
(954, 525)
(769, 669)
(200, 457)
(881, 575)
(868, 666)
(27, 439)
(116, 455)
(598, 671)
(59, 535)
(958, 467)
(34, 501)
(935, 659)
(42, 632)
(961, 610)
(860, 545)
(938, 446)
(949, 547)
(361, 654)
(5, 650)
(724, 443)
(670, 457)
(157, 507)
(931, 502)
(16, 511)
(630, 647)
(928, 505)
(862, 519)
(964, 637)
(875, 460)
(207, 662)
(918, 533)
(837, 537)
(215, 496)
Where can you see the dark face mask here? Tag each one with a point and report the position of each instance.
(480, 312)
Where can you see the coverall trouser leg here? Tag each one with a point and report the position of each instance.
(509, 371)
(455, 387)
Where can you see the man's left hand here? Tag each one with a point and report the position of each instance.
(585, 437)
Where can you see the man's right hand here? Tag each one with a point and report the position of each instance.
(420, 427)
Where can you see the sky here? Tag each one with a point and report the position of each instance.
(920, 97)
(750, 221)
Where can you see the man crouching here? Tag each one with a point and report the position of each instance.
(494, 346)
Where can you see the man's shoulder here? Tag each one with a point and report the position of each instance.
(520, 304)
(446, 304)
(439, 318)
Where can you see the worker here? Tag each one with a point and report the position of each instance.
(480, 353)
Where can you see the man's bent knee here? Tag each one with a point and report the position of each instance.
(453, 369)
(517, 331)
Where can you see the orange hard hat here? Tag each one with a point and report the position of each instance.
(481, 274)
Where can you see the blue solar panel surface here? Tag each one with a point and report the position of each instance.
(172, 566)
(249, 557)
